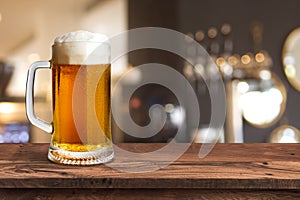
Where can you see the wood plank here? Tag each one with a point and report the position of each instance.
(228, 166)
(146, 194)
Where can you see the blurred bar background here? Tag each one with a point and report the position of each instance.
(247, 39)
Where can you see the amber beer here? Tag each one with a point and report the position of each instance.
(80, 65)
(86, 135)
(81, 101)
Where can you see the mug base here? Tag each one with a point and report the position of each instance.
(60, 156)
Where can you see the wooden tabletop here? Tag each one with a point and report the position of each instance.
(228, 167)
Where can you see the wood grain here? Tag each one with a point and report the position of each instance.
(150, 194)
(227, 167)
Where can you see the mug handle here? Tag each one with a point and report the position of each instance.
(29, 97)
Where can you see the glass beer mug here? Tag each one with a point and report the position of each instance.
(81, 132)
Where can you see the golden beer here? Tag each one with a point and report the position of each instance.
(66, 135)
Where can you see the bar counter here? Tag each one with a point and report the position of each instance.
(229, 171)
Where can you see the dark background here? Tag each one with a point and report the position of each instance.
(278, 18)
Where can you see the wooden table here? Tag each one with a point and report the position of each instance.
(250, 171)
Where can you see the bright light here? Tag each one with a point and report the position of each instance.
(261, 107)
(7, 108)
(243, 87)
(169, 108)
(285, 134)
(288, 136)
(0, 17)
(227, 69)
(289, 132)
(177, 116)
(276, 95)
(290, 70)
(265, 75)
(287, 139)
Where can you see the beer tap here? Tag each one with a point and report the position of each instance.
(213, 49)
(256, 30)
(227, 44)
(262, 58)
(213, 46)
(190, 51)
(227, 40)
(201, 62)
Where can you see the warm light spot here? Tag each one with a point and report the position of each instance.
(220, 61)
(0, 17)
(226, 29)
(169, 108)
(233, 60)
(245, 59)
(7, 108)
(259, 57)
(212, 32)
(188, 70)
(290, 70)
(199, 35)
(135, 102)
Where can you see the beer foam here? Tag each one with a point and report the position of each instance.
(81, 47)
(81, 36)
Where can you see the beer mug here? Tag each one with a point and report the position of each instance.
(81, 132)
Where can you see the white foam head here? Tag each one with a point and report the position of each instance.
(81, 47)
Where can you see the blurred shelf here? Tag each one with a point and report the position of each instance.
(20, 99)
